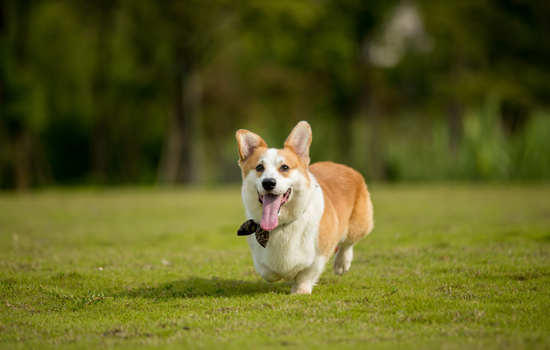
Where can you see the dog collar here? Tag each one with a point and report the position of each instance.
(249, 227)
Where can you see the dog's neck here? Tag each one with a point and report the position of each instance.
(314, 188)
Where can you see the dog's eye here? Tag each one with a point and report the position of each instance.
(285, 168)
(260, 168)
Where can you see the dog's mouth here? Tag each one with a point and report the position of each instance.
(272, 204)
(286, 195)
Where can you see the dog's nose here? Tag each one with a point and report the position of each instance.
(269, 184)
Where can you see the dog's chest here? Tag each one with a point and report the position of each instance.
(293, 247)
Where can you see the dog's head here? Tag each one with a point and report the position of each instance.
(275, 181)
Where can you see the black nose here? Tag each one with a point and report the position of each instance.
(269, 184)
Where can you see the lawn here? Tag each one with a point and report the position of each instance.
(446, 267)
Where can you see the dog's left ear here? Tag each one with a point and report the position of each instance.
(300, 140)
(248, 143)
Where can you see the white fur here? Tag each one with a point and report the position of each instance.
(343, 258)
(291, 252)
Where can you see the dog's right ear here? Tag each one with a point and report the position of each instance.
(248, 143)
(300, 140)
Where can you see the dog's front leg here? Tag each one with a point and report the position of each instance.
(306, 279)
(266, 273)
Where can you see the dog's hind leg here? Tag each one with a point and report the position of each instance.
(306, 279)
(360, 225)
(361, 221)
(343, 258)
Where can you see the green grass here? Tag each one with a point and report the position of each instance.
(446, 266)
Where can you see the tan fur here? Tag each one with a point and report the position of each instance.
(249, 144)
(295, 137)
(294, 162)
(348, 214)
(251, 162)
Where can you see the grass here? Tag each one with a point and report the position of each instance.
(446, 267)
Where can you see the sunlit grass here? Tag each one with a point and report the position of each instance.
(445, 267)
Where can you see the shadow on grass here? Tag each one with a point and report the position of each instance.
(195, 287)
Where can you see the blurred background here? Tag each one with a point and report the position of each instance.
(114, 92)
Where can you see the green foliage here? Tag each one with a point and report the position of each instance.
(419, 152)
(93, 92)
(445, 267)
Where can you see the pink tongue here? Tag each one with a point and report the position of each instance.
(270, 218)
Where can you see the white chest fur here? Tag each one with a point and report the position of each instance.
(292, 247)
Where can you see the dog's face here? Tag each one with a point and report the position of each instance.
(274, 179)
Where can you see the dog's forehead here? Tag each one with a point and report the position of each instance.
(272, 156)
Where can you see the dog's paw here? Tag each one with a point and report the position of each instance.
(340, 268)
(270, 276)
(301, 289)
(342, 260)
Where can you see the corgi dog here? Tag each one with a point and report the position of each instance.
(307, 211)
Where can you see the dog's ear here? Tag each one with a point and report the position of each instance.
(248, 142)
(300, 140)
